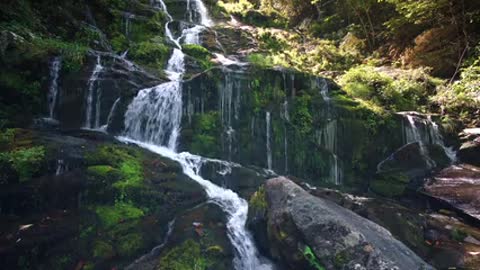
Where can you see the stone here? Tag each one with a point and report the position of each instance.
(459, 187)
(300, 224)
(470, 152)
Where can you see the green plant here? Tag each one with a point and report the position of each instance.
(312, 258)
(26, 162)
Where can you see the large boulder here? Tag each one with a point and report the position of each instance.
(307, 232)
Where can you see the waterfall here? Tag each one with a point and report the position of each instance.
(61, 167)
(323, 85)
(55, 67)
(327, 138)
(425, 131)
(110, 114)
(155, 114)
(269, 148)
(286, 119)
(90, 94)
(153, 121)
(128, 17)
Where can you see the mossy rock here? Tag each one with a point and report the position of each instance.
(130, 244)
(185, 256)
(390, 184)
(120, 212)
(103, 250)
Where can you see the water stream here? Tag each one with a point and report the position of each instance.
(55, 68)
(90, 122)
(153, 121)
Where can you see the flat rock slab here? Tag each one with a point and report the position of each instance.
(459, 186)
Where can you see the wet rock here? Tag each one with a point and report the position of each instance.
(104, 204)
(406, 167)
(307, 232)
(459, 187)
(118, 78)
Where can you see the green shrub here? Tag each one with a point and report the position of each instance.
(271, 42)
(260, 60)
(407, 91)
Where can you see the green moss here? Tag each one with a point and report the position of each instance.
(390, 185)
(186, 256)
(458, 235)
(26, 162)
(112, 215)
(103, 250)
(153, 54)
(74, 54)
(130, 244)
(100, 170)
(127, 162)
(6, 139)
(312, 259)
(200, 53)
(206, 129)
(340, 259)
(258, 201)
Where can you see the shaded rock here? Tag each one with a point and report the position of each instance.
(118, 78)
(307, 232)
(459, 187)
(411, 162)
(470, 152)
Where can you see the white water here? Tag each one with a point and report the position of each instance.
(55, 68)
(153, 122)
(61, 167)
(110, 114)
(327, 138)
(427, 133)
(286, 119)
(269, 147)
(323, 85)
(91, 91)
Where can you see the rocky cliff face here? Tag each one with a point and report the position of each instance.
(306, 232)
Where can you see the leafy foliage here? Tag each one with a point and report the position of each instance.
(26, 162)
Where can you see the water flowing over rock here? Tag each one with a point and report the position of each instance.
(424, 130)
(55, 67)
(307, 232)
(92, 101)
(153, 122)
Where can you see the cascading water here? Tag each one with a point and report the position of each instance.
(153, 121)
(327, 138)
(268, 144)
(55, 68)
(92, 87)
(286, 119)
(425, 131)
(110, 114)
